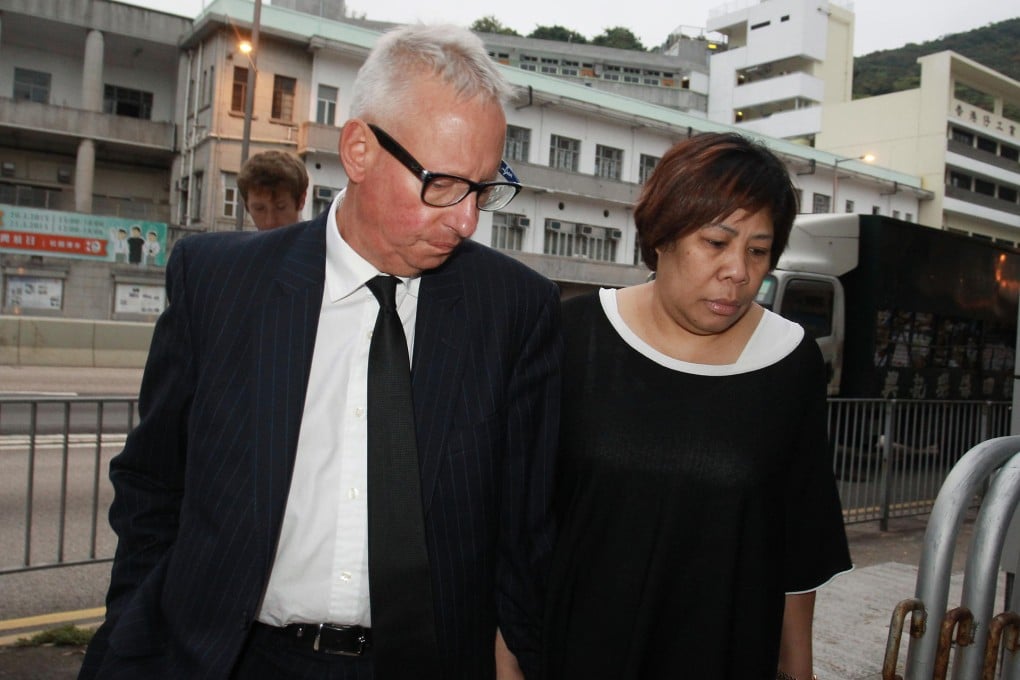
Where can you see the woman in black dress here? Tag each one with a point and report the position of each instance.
(696, 502)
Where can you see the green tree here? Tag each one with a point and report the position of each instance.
(558, 33)
(897, 69)
(490, 24)
(619, 37)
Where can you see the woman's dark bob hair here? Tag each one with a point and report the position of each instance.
(706, 178)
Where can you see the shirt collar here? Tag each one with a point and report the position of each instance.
(346, 270)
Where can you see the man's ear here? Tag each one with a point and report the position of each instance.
(355, 149)
(301, 200)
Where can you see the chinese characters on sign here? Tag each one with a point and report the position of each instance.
(978, 116)
(86, 237)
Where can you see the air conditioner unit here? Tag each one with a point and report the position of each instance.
(324, 193)
(7, 169)
(523, 221)
(615, 234)
(554, 225)
(586, 230)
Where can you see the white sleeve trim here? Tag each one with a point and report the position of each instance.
(821, 585)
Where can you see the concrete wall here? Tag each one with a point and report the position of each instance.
(33, 341)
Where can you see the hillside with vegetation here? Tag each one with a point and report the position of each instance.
(994, 46)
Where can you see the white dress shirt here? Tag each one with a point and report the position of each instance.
(320, 574)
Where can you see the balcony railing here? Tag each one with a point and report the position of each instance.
(83, 124)
(318, 138)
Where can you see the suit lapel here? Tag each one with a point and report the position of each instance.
(284, 332)
(436, 373)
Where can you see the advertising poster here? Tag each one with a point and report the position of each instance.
(99, 238)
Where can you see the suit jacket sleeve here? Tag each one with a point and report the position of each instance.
(526, 534)
(148, 475)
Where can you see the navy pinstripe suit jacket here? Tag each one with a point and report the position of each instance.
(201, 485)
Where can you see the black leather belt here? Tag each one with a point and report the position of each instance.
(325, 637)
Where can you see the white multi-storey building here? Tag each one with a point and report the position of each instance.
(785, 60)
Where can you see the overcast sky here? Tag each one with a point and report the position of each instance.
(880, 24)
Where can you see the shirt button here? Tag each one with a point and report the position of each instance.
(359, 412)
(353, 493)
(345, 576)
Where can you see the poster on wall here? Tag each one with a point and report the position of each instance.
(34, 292)
(134, 298)
(99, 238)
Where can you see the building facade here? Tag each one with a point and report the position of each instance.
(959, 132)
(582, 152)
(88, 104)
(786, 60)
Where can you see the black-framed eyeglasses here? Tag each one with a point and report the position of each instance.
(440, 190)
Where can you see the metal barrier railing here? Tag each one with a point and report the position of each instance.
(983, 643)
(55, 452)
(889, 457)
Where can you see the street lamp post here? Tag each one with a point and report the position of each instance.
(867, 158)
(249, 101)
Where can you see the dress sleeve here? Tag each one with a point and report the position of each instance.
(816, 545)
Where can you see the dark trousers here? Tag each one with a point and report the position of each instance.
(270, 656)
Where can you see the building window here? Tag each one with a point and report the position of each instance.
(1008, 194)
(325, 109)
(896, 214)
(564, 153)
(984, 187)
(608, 162)
(33, 86)
(1010, 153)
(597, 243)
(240, 89)
(962, 136)
(821, 203)
(283, 98)
(960, 180)
(123, 101)
(646, 166)
(567, 239)
(559, 238)
(508, 230)
(231, 197)
(196, 197)
(208, 86)
(848, 206)
(518, 143)
(989, 145)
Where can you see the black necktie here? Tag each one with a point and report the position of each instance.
(400, 586)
